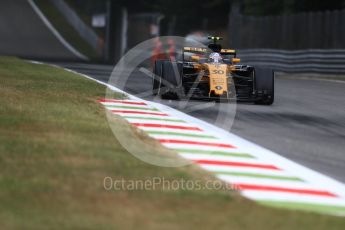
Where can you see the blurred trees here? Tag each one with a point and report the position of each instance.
(213, 8)
(186, 14)
(182, 16)
(274, 7)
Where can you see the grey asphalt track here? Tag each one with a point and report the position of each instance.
(23, 34)
(305, 124)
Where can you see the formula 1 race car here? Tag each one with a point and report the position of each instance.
(212, 73)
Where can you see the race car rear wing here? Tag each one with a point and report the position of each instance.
(194, 49)
(201, 51)
(205, 50)
(228, 52)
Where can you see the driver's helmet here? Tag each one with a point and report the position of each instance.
(215, 58)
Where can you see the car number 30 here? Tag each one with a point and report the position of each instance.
(217, 71)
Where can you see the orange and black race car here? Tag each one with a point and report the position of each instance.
(212, 73)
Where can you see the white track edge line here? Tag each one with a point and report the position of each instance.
(55, 32)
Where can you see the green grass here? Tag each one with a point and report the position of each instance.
(66, 30)
(56, 148)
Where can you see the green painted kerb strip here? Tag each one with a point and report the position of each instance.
(305, 206)
(255, 175)
(153, 118)
(180, 134)
(130, 107)
(220, 153)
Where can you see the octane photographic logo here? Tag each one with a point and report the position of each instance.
(135, 74)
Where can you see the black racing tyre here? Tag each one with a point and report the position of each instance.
(157, 70)
(264, 83)
(171, 79)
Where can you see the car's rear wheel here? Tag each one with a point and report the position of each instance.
(264, 84)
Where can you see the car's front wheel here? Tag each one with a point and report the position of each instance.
(169, 77)
(264, 84)
(157, 71)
